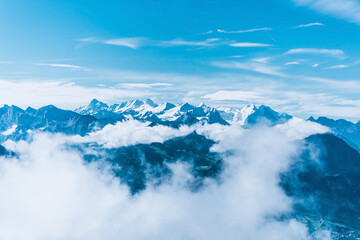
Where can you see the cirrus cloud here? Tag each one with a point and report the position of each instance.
(233, 95)
(249, 44)
(345, 9)
(310, 25)
(245, 31)
(336, 53)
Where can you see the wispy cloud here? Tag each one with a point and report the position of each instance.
(60, 65)
(144, 85)
(130, 42)
(137, 42)
(309, 25)
(133, 43)
(237, 56)
(315, 65)
(338, 66)
(247, 96)
(262, 60)
(329, 52)
(249, 44)
(245, 31)
(251, 66)
(208, 32)
(182, 42)
(292, 63)
(345, 9)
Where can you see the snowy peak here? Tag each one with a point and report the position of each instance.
(248, 110)
(237, 116)
(133, 106)
(93, 107)
(163, 107)
(266, 115)
(146, 110)
(15, 122)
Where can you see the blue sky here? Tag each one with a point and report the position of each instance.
(298, 56)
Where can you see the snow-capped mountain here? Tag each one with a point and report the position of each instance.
(175, 114)
(250, 115)
(236, 116)
(165, 113)
(93, 107)
(16, 123)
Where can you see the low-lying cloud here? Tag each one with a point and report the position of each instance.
(49, 193)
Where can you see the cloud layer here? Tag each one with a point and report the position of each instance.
(48, 193)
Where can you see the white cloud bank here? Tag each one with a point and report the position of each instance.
(132, 132)
(48, 193)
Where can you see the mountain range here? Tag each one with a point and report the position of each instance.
(16, 123)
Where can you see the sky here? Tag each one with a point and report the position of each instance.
(297, 56)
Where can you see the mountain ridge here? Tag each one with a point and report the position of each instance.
(15, 122)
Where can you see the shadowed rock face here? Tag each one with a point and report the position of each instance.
(149, 164)
(327, 180)
(5, 152)
(348, 131)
